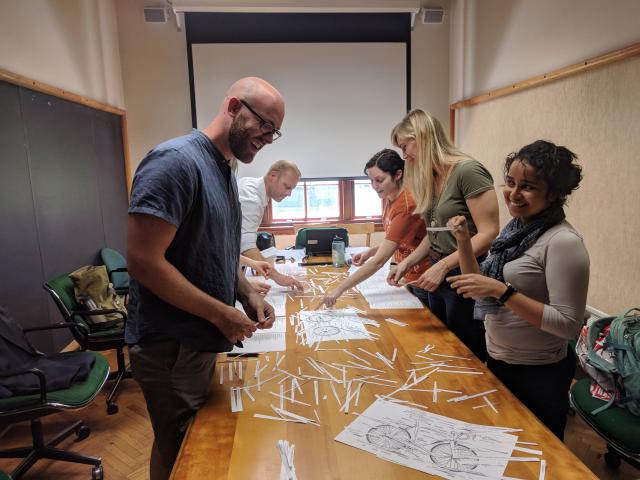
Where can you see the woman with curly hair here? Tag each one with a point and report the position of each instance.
(531, 291)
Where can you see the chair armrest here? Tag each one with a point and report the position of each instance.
(56, 326)
(69, 325)
(34, 371)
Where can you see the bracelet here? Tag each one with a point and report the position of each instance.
(444, 262)
(507, 294)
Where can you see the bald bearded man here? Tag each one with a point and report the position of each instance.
(184, 245)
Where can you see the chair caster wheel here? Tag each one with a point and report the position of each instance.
(97, 473)
(82, 432)
(612, 459)
(112, 408)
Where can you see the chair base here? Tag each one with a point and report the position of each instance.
(614, 456)
(117, 377)
(46, 450)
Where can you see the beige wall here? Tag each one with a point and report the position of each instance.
(499, 42)
(156, 88)
(69, 44)
(430, 64)
(155, 78)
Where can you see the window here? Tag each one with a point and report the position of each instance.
(366, 203)
(323, 200)
(291, 208)
(313, 201)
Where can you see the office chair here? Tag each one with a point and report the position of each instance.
(61, 290)
(20, 407)
(116, 269)
(616, 425)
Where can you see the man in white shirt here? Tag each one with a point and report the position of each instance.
(255, 193)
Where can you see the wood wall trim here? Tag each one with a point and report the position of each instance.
(25, 82)
(57, 92)
(125, 151)
(586, 65)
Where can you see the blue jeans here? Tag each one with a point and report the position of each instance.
(456, 312)
(422, 295)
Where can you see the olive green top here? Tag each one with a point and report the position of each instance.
(467, 179)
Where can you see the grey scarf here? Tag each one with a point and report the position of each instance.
(515, 239)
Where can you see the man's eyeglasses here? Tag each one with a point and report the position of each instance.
(266, 126)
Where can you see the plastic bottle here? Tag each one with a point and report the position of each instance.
(337, 251)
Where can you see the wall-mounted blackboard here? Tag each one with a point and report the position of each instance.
(63, 196)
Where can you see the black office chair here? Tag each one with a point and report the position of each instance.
(61, 290)
(21, 405)
(116, 269)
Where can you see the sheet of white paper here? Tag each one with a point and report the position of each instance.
(332, 325)
(296, 253)
(263, 341)
(271, 340)
(270, 252)
(429, 443)
(279, 303)
(379, 294)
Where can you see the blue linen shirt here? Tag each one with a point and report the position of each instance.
(187, 182)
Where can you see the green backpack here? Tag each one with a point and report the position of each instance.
(624, 340)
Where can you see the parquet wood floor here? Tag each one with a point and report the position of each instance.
(124, 440)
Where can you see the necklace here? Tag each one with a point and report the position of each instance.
(436, 199)
(432, 213)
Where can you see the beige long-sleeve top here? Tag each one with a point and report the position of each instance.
(554, 271)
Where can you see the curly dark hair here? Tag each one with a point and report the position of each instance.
(554, 165)
(386, 160)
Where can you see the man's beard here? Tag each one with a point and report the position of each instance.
(239, 140)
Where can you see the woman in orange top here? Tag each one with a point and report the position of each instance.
(402, 228)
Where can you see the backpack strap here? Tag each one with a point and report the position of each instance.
(593, 333)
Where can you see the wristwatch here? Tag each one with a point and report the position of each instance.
(507, 294)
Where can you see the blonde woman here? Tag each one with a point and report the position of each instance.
(445, 182)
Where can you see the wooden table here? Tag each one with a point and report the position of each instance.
(224, 445)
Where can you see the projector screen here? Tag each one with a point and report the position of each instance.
(341, 99)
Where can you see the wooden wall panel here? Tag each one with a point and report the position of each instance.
(64, 197)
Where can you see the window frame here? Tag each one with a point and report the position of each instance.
(346, 192)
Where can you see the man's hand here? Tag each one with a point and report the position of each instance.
(262, 268)
(287, 281)
(258, 310)
(261, 287)
(234, 325)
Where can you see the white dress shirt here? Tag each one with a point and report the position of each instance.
(253, 200)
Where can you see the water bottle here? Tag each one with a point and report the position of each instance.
(337, 251)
